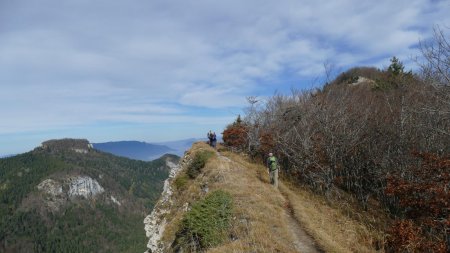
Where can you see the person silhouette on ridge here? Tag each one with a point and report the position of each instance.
(213, 140)
(210, 136)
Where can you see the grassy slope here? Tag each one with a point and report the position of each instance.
(259, 221)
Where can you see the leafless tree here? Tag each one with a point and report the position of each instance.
(436, 67)
(435, 71)
(352, 137)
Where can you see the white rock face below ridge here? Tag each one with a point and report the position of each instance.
(80, 150)
(155, 223)
(78, 186)
(58, 192)
(84, 186)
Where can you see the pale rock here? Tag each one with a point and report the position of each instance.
(80, 150)
(51, 187)
(185, 207)
(115, 200)
(84, 186)
(155, 223)
(55, 197)
(361, 80)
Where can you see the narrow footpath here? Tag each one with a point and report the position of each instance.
(300, 240)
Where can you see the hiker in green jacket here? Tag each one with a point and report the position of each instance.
(272, 166)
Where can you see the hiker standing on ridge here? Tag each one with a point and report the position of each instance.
(214, 140)
(272, 166)
(210, 137)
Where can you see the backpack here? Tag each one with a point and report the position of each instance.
(272, 163)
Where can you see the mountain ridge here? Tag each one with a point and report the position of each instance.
(137, 150)
(260, 218)
(145, 151)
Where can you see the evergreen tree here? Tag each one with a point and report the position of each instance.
(396, 67)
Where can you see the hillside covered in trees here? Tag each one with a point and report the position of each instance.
(66, 196)
(380, 135)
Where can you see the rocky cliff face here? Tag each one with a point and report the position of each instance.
(84, 186)
(57, 192)
(155, 223)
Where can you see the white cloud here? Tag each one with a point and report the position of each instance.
(65, 63)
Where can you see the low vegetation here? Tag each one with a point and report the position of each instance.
(181, 181)
(207, 223)
(198, 162)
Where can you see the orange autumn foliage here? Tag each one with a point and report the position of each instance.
(423, 195)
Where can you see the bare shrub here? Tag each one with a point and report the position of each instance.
(365, 138)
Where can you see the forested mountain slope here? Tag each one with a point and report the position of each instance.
(65, 196)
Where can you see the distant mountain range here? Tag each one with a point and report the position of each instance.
(65, 196)
(143, 150)
(134, 149)
(181, 146)
(5, 156)
(139, 150)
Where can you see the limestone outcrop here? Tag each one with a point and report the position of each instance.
(57, 192)
(84, 186)
(155, 223)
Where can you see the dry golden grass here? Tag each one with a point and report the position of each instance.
(260, 211)
(332, 229)
(259, 223)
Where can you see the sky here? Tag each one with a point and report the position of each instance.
(158, 70)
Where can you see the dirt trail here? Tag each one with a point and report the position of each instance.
(302, 241)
